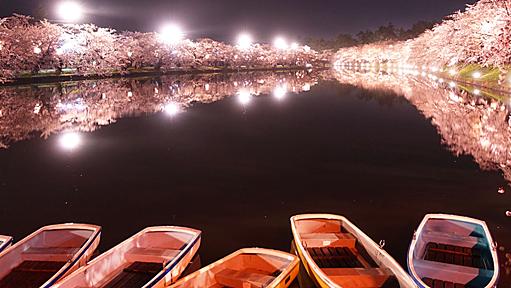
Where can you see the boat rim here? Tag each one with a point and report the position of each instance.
(96, 231)
(165, 270)
(254, 250)
(466, 219)
(402, 276)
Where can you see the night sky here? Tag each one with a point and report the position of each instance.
(223, 19)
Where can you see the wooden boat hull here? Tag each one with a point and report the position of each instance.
(153, 258)
(233, 274)
(453, 250)
(5, 242)
(329, 237)
(48, 255)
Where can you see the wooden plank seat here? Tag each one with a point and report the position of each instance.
(155, 255)
(359, 277)
(328, 239)
(31, 274)
(59, 254)
(435, 283)
(335, 257)
(248, 278)
(135, 275)
(450, 254)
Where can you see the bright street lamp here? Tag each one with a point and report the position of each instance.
(280, 43)
(171, 34)
(70, 11)
(244, 41)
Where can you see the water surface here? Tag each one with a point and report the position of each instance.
(236, 155)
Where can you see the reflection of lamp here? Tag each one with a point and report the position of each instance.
(70, 140)
(70, 11)
(171, 109)
(476, 75)
(280, 92)
(244, 96)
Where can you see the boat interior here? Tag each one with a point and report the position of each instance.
(453, 253)
(340, 255)
(38, 259)
(133, 263)
(243, 270)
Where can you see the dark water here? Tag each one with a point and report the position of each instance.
(239, 171)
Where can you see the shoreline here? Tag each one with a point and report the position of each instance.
(154, 73)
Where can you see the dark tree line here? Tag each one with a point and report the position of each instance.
(387, 32)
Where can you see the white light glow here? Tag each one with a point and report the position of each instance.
(70, 140)
(37, 50)
(171, 34)
(477, 91)
(70, 11)
(477, 75)
(306, 87)
(244, 96)
(280, 92)
(280, 43)
(244, 41)
(295, 46)
(452, 72)
(452, 84)
(172, 109)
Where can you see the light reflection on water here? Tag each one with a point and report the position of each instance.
(468, 119)
(87, 105)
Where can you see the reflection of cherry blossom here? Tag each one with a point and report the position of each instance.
(470, 125)
(86, 105)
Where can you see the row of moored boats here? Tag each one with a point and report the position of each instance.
(446, 251)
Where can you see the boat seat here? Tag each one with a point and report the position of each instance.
(135, 276)
(359, 277)
(446, 272)
(31, 274)
(449, 238)
(335, 257)
(328, 239)
(155, 255)
(249, 278)
(450, 254)
(439, 283)
(59, 254)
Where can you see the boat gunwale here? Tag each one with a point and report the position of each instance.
(6, 242)
(294, 261)
(96, 231)
(168, 267)
(448, 217)
(403, 277)
(189, 246)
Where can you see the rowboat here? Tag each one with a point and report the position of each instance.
(246, 268)
(47, 255)
(5, 242)
(335, 253)
(453, 251)
(154, 257)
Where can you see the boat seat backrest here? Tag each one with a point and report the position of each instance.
(449, 238)
(447, 272)
(243, 279)
(328, 240)
(154, 255)
(358, 277)
(60, 254)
